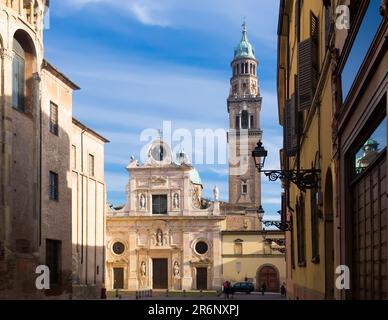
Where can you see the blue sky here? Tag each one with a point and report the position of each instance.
(142, 62)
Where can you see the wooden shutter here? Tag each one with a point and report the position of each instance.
(308, 65)
(291, 133)
(307, 73)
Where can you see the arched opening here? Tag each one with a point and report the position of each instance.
(23, 68)
(329, 236)
(244, 119)
(268, 275)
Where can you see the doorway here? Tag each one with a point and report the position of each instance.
(201, 278)
(270, 277)
(160, 273)
(118, 278)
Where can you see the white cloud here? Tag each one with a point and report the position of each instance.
(191, 13)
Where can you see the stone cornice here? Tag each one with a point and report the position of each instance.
(169, 218)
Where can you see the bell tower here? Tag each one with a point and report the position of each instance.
(244, 106)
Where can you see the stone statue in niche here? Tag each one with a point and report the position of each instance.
(159, 237)
(176, 269)
(176, 201)
(142, 201)
(143, 269)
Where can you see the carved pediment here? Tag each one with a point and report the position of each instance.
(159, 180)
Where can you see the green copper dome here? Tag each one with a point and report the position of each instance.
(244, 49)
(194, 177)
(371, 142)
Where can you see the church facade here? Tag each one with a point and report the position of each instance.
(166, 236)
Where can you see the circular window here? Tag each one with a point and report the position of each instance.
(158, 153)
(201, 247)
(118, 248)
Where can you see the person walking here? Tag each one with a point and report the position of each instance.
(226, 289)
(263, 288)
(283, 290)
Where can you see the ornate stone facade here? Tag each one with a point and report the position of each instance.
(170, 238)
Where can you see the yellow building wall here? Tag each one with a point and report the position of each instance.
(255, 254)
(310, 280)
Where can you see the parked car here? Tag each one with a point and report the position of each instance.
(246, 287)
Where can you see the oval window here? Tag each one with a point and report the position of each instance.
(118, 248)
(201, 247)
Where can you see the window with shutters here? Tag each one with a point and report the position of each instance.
(308, 65)
(53, 118)
(301, 231)
(18, 76)
(291, 127)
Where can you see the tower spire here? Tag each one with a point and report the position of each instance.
(244, 30)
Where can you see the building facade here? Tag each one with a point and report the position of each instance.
(88, 211)
(36, 134)
(166, 236)
(332, 73)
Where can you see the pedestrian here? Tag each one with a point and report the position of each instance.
(225, 288)
(263, 288)
(283, 290)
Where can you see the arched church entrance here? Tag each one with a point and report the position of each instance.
(270, 276)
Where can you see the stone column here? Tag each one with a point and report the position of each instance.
(187, 279)
(217, 259)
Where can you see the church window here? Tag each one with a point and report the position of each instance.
(201, 247)
(244, 119)
(254, 70)
(252, 122)
(238, 68)
(118, 248)
(159, 204)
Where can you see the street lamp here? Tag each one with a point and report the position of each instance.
(304, 179)
(260, 213)
(281, 225)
